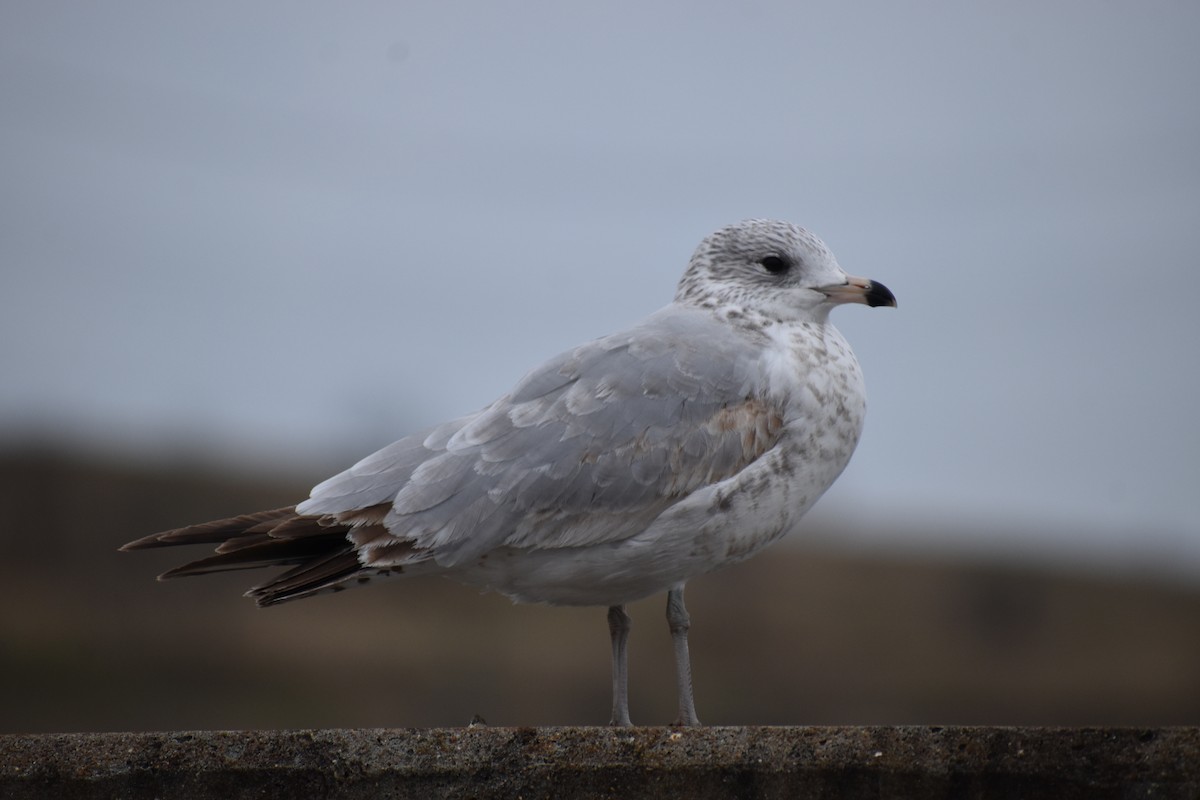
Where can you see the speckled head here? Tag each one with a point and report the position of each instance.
(776, 269)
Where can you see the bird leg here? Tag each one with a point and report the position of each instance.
(618, 627)
(679, 622)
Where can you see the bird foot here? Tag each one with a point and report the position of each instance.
(686, 723)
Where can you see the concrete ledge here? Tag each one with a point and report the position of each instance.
(482, 762)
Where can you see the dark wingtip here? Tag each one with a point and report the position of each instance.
(143, 543)
(880, 295)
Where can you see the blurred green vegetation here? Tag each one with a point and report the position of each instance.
(89, 642)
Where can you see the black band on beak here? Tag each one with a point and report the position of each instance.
(880, 295)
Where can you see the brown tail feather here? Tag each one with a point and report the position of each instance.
(318, 552)
(266, 553)
(309, 578)
(216, 531)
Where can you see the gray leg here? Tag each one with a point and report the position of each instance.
(618, 627)
(679, 622)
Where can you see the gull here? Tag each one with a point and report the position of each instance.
(614, 471)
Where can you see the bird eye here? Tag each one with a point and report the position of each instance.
(775, 265)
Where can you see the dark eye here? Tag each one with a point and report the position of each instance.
(776, 265)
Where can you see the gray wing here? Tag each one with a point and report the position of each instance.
(588, 448)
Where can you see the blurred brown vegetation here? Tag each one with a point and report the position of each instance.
(89, 642)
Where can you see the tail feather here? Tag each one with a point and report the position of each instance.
(241, 542)
(329, 573)
(217, 531)
(267, 553)
(318, 551)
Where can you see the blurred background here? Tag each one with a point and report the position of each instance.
(244, 244)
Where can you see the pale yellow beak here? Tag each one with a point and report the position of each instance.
(859, 290)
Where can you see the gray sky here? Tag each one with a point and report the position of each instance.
(294, 232)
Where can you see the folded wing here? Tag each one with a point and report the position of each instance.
(589, 448)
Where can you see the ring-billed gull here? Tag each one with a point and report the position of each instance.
(614, 471)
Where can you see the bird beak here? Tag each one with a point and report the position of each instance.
(859, 290)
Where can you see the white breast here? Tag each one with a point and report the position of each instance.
(812, 373)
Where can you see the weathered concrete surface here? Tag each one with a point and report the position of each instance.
(792, 762)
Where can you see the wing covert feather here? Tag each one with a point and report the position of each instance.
(590, 447)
